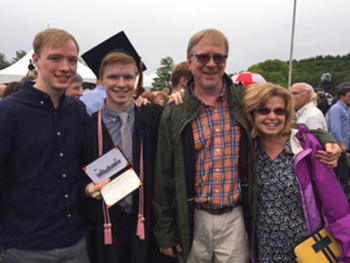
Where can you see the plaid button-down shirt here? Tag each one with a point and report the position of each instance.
(216, 138)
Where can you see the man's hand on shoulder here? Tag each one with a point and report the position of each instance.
(141, 102)
(330, 156)
(177, 97)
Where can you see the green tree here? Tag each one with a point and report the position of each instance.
(4, 63)
(275, 71)
(310, 70)
(19, 54)
(163, 74)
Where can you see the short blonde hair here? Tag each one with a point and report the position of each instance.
(51, 37)
(256, 97)
(213, 34)
(115, 58)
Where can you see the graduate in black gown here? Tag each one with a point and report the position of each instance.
(131, 218)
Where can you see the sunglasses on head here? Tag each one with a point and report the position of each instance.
(204, 58)
(277, 112)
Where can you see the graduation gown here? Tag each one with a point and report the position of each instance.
(124, 226)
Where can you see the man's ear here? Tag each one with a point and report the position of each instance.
(35, 59)
(311, 96)
(189, 63)
(183, 81)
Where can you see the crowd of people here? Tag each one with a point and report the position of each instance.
(229, 173)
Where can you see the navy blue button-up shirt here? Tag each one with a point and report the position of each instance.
(40, 171)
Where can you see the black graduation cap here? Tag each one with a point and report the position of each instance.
(116, 43)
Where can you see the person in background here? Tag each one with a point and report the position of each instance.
(286, 168)
(2, 88)
(338, 123)
(75, 87)
(86, 90)
(307, 112)
(180, 76)
(161, 99)
(149, 96)
(166, 91)
(41, 138)
(30, 79)
(322, 103)
(94, 99)
(12, 87)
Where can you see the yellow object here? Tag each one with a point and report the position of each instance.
(318, 248)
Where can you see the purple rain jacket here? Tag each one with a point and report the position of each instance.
(335, 211)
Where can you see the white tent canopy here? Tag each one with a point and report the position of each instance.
(18, 70)
(148, 79)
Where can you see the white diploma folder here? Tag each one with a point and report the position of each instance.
(115, 166)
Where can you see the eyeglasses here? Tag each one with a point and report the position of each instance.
(266, 111)
(204, 58)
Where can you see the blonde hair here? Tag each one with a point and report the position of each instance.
(257, 96)
(163, 95)
(115, 58)
(51, 37)
(213, 34)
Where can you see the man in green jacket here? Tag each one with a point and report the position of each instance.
(205, 163)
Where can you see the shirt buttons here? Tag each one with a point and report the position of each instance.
(218, 170)
(66, 196)
(217, 130)
(218, 150)
(61, 154)
(216, 191)
(41, 102)
(58, 133)
(69, 215)
(64, 175)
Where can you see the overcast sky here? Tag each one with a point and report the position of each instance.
(257, 29)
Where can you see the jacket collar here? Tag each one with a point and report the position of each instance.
(295, 143)
(191, 107)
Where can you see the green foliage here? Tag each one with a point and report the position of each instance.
(19, 54)
(275, 71)
(163, 75)
(4, 63)
(308, 70)
(311, 70)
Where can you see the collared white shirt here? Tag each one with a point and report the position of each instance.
(312, 117)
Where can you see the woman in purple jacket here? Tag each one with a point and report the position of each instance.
(287, 211)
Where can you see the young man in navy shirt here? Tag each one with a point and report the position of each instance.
(40, 141)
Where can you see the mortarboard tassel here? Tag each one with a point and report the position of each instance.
(141, 219)
(108, 234)
(141, 227)
(107, 220)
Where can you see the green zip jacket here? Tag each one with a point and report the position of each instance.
(175, 169)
